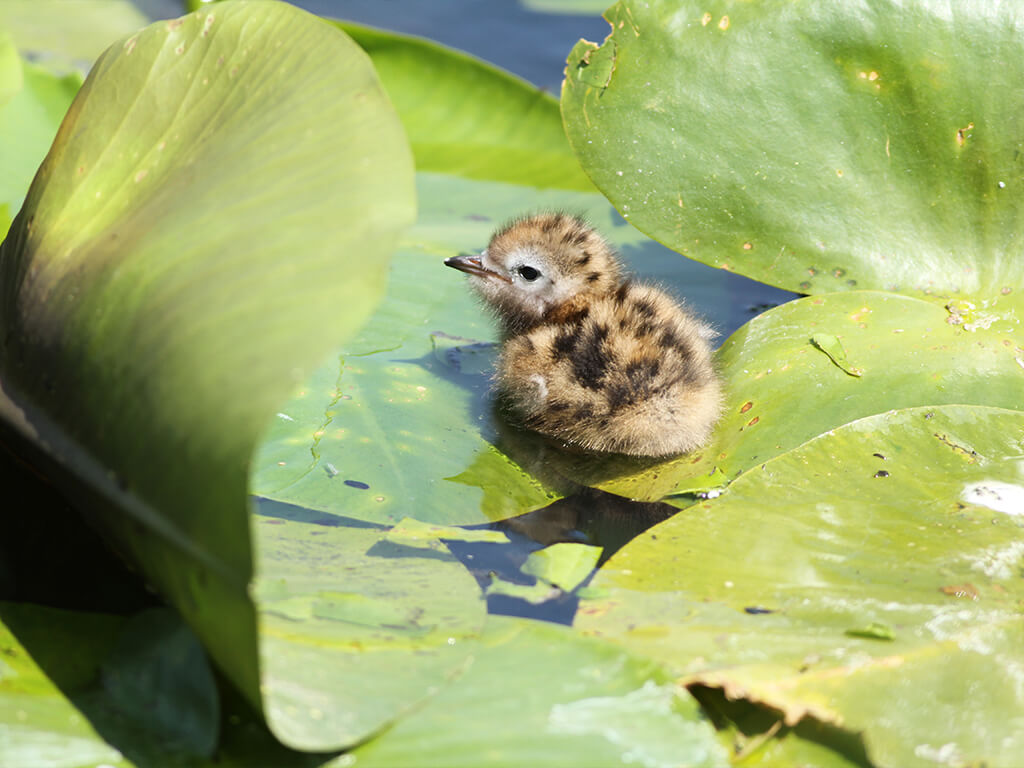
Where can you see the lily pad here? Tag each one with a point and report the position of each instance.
(818, 147)
(496, 126)
(566, 564)
(157, 679)
(38, 724)
(782, 390)
(856, 563)
(344, 611)
(581, 703)
(180, 262)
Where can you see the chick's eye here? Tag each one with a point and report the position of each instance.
(528, 273)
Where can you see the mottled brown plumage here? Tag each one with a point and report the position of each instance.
(588, 356)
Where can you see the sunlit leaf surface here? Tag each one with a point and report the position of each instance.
(783, 389)
(538, 695)
(815, 146)
(468, 118)
(870, 578)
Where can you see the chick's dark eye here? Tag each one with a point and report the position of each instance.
(529, 274)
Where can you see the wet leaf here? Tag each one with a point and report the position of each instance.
(565, 564)
(817, 147)
(828, 544)
(781, 391)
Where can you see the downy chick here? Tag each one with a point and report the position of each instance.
(588, 356)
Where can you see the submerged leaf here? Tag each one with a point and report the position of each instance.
(412, 532)
(566, 564)
(535, 594)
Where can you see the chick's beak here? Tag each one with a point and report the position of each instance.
(473, 265)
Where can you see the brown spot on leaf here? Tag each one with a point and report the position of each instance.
(960, 591)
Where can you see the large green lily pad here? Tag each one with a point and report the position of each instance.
(537, 695)
(814, 146)
(185, 254)
(784, 388)
(869, 578)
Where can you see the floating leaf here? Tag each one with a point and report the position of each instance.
(830, 543)
(583, 703)
(412, 532)
(818, 148)
(565, 564)
(783, 392)
(38, 724)
(519, 142)
(535, 594)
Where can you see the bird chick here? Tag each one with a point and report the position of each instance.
(588, 356)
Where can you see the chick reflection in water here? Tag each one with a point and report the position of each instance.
(589, 356)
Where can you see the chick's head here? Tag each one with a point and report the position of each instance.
(535, 265)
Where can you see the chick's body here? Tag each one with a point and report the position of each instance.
(588, 357)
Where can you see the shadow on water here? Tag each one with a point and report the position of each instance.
(588, 516)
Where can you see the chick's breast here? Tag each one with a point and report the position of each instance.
(629, 372)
